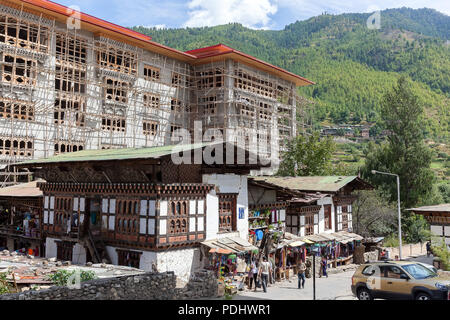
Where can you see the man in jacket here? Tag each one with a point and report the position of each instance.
(301, 274)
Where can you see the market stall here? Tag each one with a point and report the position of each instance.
(337, 247)
(229, 258)
(264, 217)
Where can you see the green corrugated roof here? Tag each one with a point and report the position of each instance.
(315, 183)
(115, 154)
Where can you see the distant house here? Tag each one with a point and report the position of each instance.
(365, 133)
(439, 218)
(20, 218)
(321, 204)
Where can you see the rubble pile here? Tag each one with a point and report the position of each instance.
(27, 272)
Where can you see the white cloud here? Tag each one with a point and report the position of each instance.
(251, 13)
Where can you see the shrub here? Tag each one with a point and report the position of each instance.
(5, 287)
(443, 253)
(61, 277)
(391, 241)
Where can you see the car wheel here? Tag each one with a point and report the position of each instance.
(364, 294)
(423, 296)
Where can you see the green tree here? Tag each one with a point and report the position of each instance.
(416, 229)
(404, 153)
(307, 156)
(373, 214)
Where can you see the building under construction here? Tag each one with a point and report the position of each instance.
(70, 82)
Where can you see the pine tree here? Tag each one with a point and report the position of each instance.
(404, 153)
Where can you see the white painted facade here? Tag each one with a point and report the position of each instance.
(322, 202)
(226, 183)
(441, 231)
(50, 247)
(181, 261)
(79, 254)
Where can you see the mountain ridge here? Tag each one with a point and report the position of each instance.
(352, 65)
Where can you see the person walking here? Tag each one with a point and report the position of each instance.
(264, 270)
(428, 248)
(272, 266)
(324, 267)
(301, 274)
(253, 274)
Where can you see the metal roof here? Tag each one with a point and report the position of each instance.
(444, 207)
(229, 245)
(29, 189)
(313, 183)
(115, 154)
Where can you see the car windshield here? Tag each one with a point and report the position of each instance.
(419, 272)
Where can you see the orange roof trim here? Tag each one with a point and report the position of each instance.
(221, 49)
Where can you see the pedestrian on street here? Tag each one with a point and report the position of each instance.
(324, 267)
(428, 248)
(253, 274)
(264, 270)
(272, 265)
(301, 275)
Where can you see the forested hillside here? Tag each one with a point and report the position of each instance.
(352, 65)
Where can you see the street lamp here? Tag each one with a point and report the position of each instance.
(315, 250)
(399, 212)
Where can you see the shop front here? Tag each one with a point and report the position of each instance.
(20, 219)
(230, 258)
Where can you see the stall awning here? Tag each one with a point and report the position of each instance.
(229, 245)
(296, 244)
(341, 236)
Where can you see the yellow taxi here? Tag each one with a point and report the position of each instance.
(399, 280)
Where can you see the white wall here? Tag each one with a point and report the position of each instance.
(182, 262)
(437, 230)
(112, 254)
(79, 254)
(230, 183)
(212, 215)
(50, 247)
(322, 202)
(147, 258)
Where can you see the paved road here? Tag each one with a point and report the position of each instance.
(335, 287)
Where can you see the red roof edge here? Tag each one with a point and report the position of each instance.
(220, 49)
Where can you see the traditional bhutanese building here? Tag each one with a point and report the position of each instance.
(136, 207)
(321, 204)
(438, 217)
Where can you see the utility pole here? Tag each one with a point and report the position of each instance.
(399, 210)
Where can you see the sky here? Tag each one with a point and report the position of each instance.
(256, 14)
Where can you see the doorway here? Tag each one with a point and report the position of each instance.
(93, 217)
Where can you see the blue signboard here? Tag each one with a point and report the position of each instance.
(241, 213)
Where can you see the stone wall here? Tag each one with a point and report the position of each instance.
(408, 250)
(147, 286)
(371, 256)
(360, 256)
